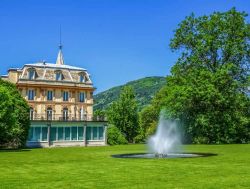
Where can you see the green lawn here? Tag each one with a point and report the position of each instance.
(93, 167)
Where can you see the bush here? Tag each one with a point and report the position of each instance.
(115, 136)
(14, 116)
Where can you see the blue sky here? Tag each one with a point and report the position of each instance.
(116, 40)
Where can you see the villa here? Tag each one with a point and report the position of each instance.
(61, 104)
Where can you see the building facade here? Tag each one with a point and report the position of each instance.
(61, 104)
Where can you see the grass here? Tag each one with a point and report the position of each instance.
(93, 167)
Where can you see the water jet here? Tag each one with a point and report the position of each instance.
(165, 143)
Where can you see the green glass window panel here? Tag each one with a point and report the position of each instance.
(95, 134)
(80, 133)
(88, 133)
(60, 133)
(67, 133)
(37, 133)
(74, 133)
(101, 133)
(44, 133)
(53, 133)
(30, 134)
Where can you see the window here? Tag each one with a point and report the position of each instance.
(67, 133)
(31, 113)
(44, 133)
(95, 133)
(80, 133)
(91, 94)
(58, 76)
(37, 133)
(60, 133)
(49, 113)
(101, 133)
(74, 133)
(82, 115)
(81, 96)
(50, 95)
(88, 133)
(65, 113)
(82, 78)
(32, 74)
(65, 95)
(31, 94)
(53, 131)
(30, 138)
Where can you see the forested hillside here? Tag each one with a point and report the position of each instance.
(144, 88)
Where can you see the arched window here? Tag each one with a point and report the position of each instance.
(65, 114)
(31, 113)
(49, 113)
(31, 73)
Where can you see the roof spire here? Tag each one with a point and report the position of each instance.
(59, 59)
(60, 45)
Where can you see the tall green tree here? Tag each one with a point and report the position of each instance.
(14, 116)
(149, 116)
(123, 114)
(207, 87)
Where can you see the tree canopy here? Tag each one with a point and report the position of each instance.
(123, 114)
(14, 116)
(207, 86)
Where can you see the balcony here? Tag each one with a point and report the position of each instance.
(64, 117)
(22, 81)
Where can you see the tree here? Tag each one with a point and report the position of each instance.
(148, 117)
(123, 114)
(207, 87)
(99, 115)
(14, 116)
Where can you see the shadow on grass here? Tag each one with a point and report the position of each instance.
(14, 150)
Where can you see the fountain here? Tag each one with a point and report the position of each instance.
(167, 138)
(165, 143)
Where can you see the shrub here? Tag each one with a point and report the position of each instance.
(115, 136)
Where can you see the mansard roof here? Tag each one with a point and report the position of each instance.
(54, 66)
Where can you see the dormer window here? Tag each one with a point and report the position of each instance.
(58, 75)
(31, 73)
(82, 78)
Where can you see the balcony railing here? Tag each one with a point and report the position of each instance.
(64, 117)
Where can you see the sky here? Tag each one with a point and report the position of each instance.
(115, 40)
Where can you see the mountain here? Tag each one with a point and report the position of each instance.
(144, 88)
